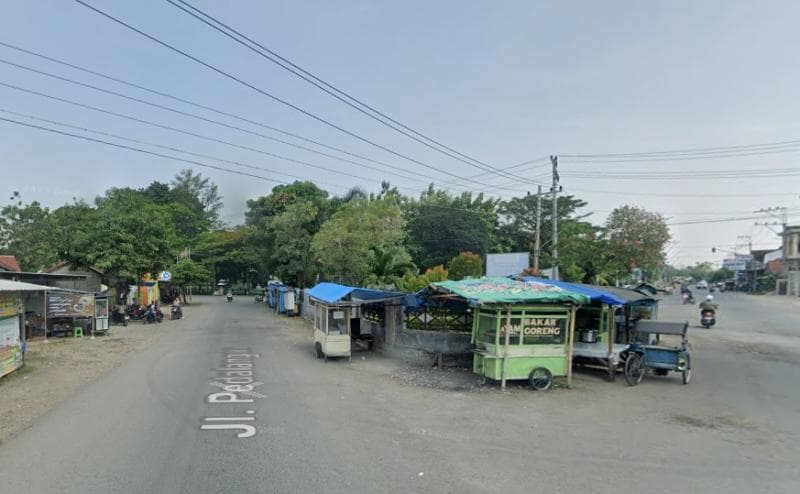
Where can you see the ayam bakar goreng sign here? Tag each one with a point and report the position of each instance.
(536, 330)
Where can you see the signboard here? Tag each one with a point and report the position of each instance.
(68, 304)
(165, 276)
(735, 264)
(10, 345)
(507, 264)
(536, 330)
(9, 301)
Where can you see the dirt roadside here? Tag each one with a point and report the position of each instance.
(56, 369)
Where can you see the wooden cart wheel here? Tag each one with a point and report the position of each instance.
(634, 369)
(687, 372)
(318, 350)
(540, 379)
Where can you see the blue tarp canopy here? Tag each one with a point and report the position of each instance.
(332, 293)
(596, 294)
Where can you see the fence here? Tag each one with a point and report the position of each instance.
(439, 319)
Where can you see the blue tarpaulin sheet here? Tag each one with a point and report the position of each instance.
(596, 294)
(334, 292)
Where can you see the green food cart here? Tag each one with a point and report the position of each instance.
(521, 329)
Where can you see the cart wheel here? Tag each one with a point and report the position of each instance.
(687, 372)
(541, 379)
(318, 350)
(634, 369)
(661, 372)
(481, 380)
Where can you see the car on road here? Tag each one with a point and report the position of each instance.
(702, 285)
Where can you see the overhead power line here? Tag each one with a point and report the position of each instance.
(332, 90)
(186, 132)
(139, 150)
(266, 93)
(204, 119)
(201, 106)
(697, 150)
(160, 146)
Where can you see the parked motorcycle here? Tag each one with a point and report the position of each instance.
(136, 312)
(154, 314)
(118, 316)
(707, 318)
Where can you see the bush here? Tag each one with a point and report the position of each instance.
(465, 265)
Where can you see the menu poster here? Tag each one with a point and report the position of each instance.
(10, 345)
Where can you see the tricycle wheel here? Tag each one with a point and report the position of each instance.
(634, 369)
(687, 372)
(318, 350)
(661, 372)
(541, 379)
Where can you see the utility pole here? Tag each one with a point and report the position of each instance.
(554, 162)
(538, 234)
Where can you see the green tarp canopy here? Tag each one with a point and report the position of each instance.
(501, 290)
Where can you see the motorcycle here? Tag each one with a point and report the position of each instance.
(136, 312)
(707, 318)
(154, 314)
(688, 298)
(118, 316)
(230, 298)
(176, 312)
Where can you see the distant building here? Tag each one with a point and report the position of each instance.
(9, 263)
(91, 283)
(791, 249)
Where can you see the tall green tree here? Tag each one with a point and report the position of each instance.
(343, 247)
(440, 226)
(291, 232)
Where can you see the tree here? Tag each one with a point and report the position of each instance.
(187, 273)
(343, 246)
(193, 190)
(410, 282)
(389, 264)
(441, 226)
(228, 254)
(465, 265)
(291, 232)
(25, 233)
(636, 238)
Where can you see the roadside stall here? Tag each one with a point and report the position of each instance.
(12, 315)
(73, 313)
(521, 329)
(337, 317)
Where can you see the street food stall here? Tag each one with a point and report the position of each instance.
(76, 313)
(337, 317)
(12, 315)
(604, 328)
(521, 329)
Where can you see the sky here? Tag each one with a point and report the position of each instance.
(501, 82)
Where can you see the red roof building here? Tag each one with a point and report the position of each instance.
(9, 263)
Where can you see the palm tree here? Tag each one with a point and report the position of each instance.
(389, 263)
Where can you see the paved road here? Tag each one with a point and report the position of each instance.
(356, 427)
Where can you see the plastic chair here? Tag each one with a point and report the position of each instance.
(77, 332)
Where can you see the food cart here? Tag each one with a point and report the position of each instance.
(337, 311)
(604, 328)
(521, 329)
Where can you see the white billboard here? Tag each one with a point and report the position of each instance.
(507, 264)
(735, 264)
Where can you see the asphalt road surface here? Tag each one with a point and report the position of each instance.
(355, 427)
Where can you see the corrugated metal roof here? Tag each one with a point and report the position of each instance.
(19, 286)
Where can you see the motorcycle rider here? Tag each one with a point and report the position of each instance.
(708, 304)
